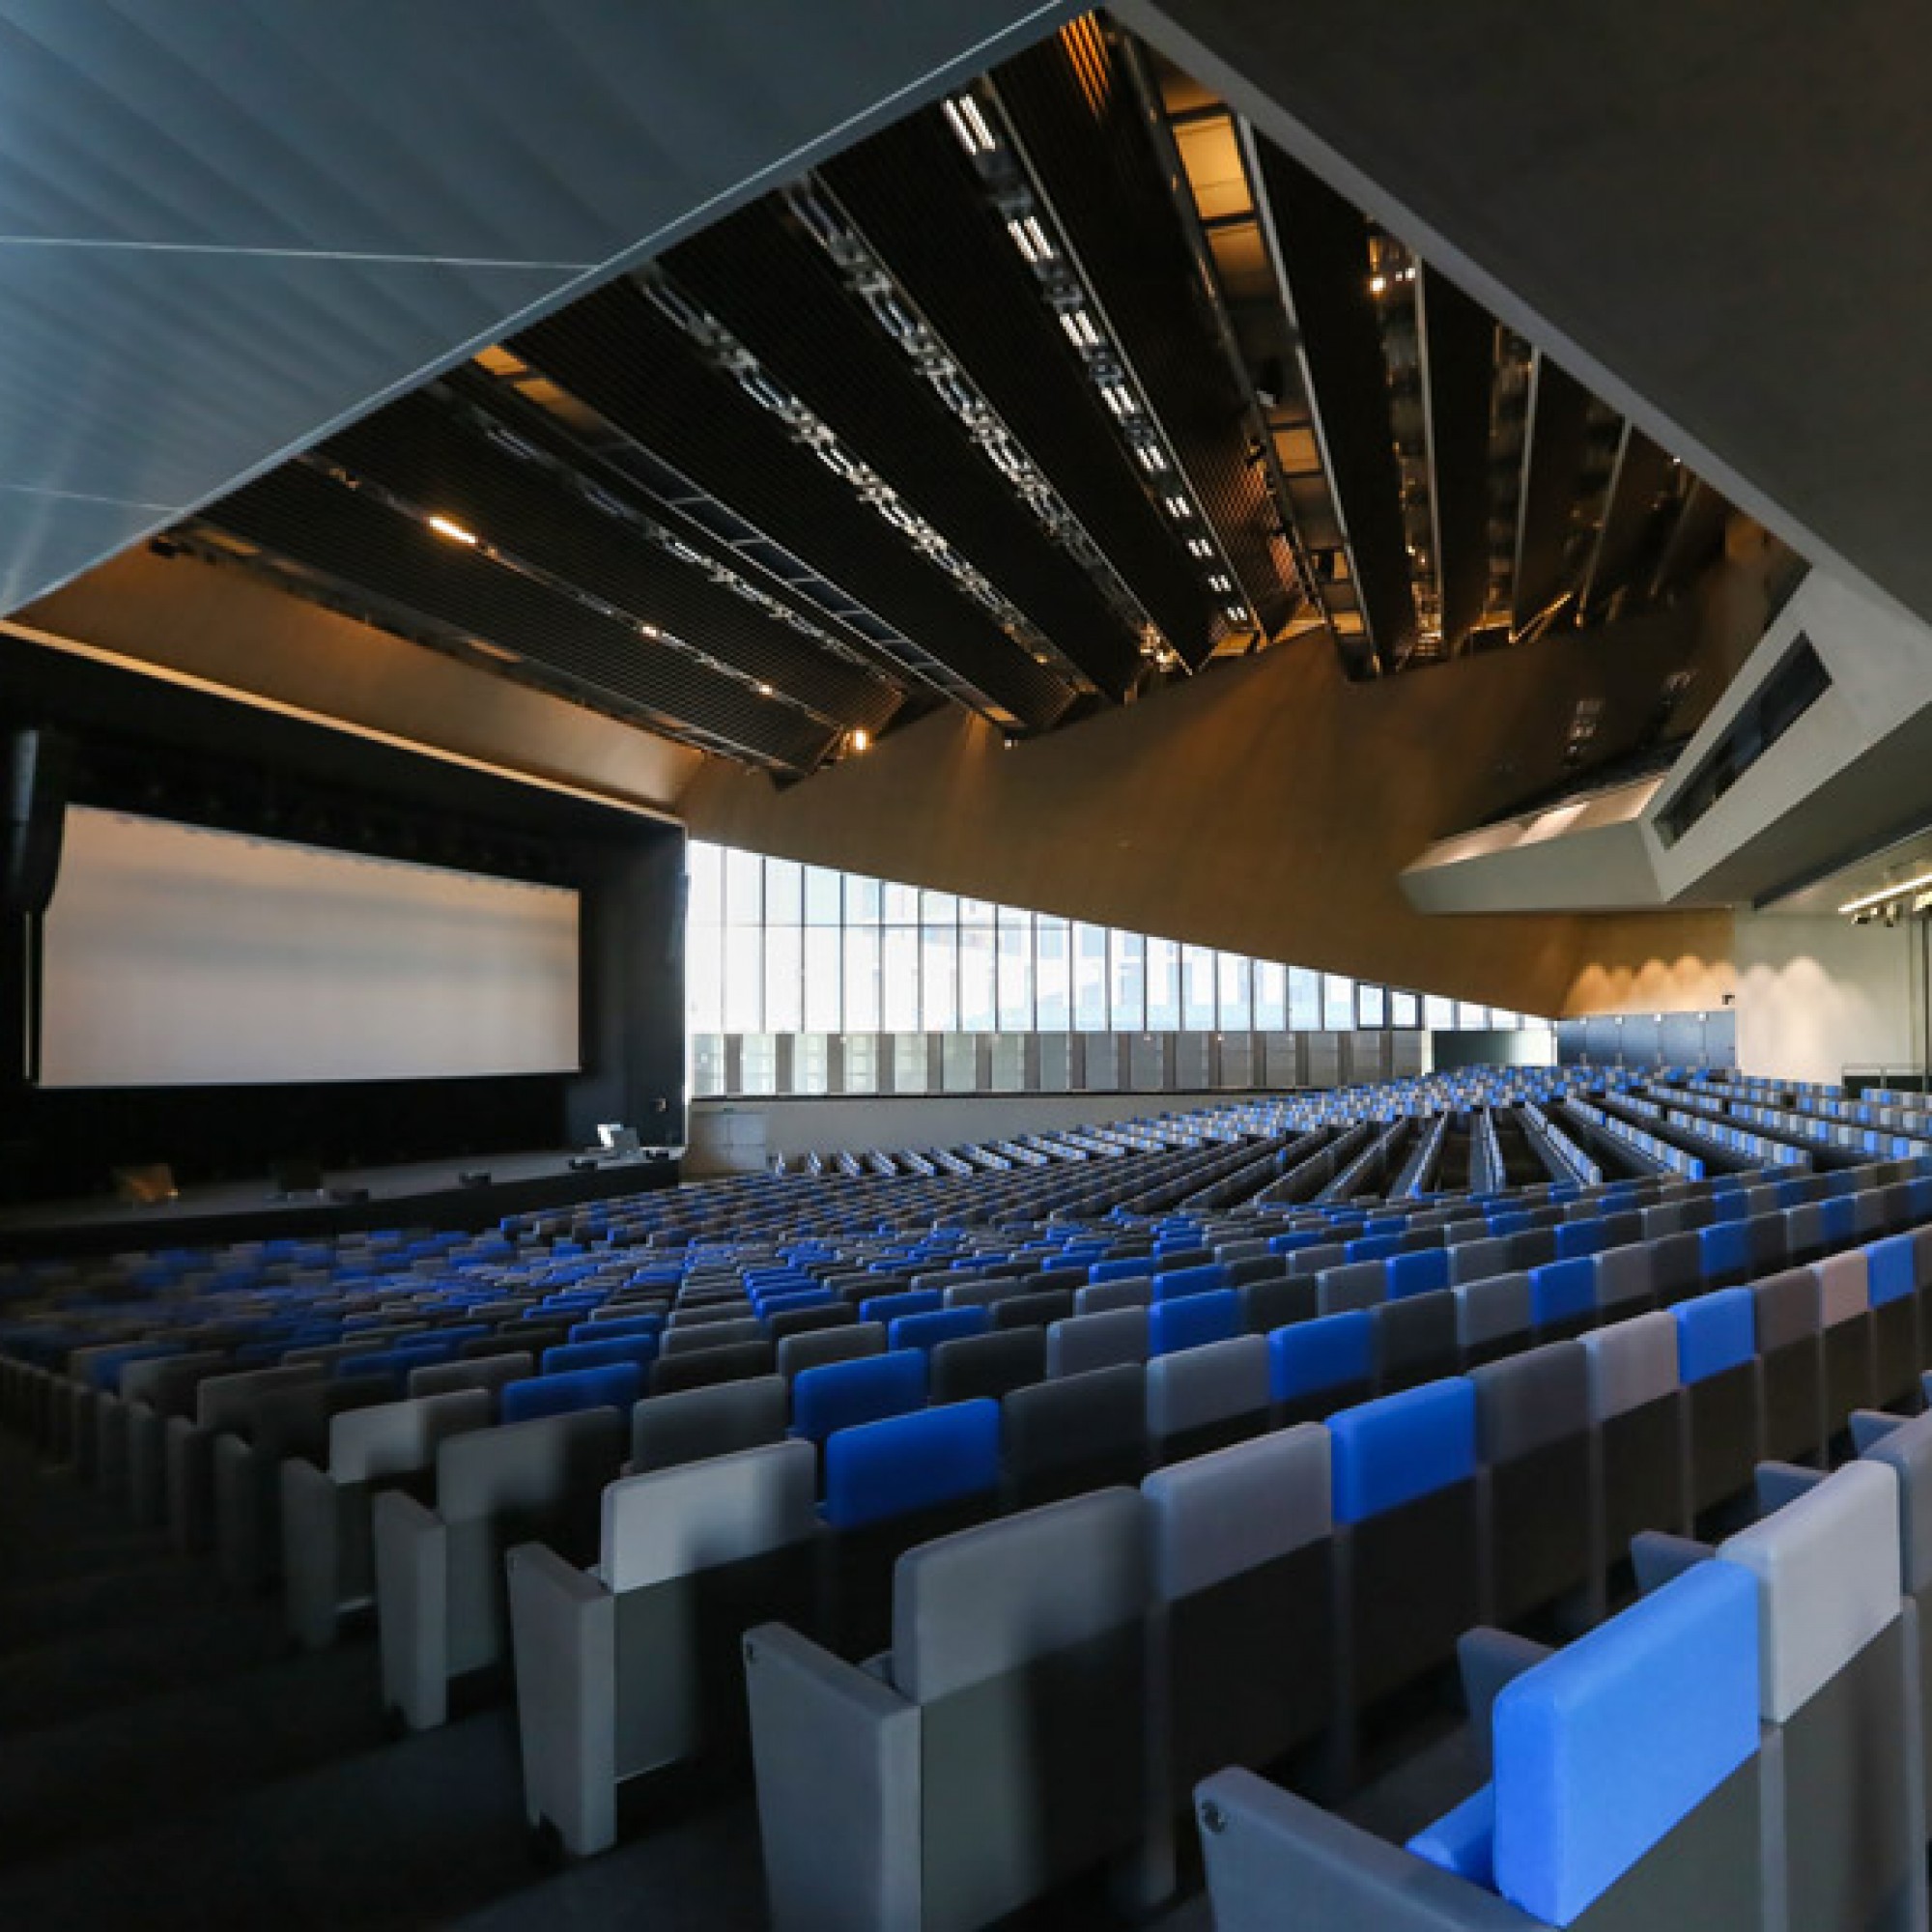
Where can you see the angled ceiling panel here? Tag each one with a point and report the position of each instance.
(1559, 410)
(1639, 480)
(920, 204)
(781, 297)
(301, 514)
(1458, 338)
(623, 358)
(1095, 157)
(1324, 255)
(417, 450)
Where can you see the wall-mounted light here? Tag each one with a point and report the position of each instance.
(448, 527)
(861, 740)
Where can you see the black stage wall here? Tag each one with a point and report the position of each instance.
(145, 745)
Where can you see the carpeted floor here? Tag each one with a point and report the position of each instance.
(165, 1762)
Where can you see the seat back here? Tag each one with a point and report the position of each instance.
(1244, 1641)
(1837, 1670)
(396, 1439)
(1021, 1643)
(1533, 1430)
(816, 1348)
(676, 1522)
(1614, 1744)
(703, 1367)
(616, 1385)
(1096, 1341)
(1204, 1397)
(987, 1365)
(1319, 1366)
(842, 1394)
(1415, 1340)
(224, 1403)
(1075, 1432)
(908, 1463)
(670, 1430)
(487, 1373)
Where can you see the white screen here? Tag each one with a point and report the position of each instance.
(175, 955)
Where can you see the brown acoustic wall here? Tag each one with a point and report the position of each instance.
(1266, 806)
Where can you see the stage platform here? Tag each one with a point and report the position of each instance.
(426, 1194)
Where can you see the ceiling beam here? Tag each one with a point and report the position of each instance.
(1553, 443)
(1457, 344)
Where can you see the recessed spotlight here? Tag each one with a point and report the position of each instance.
(1378, 285)
(448, 527)
(861, 740)
(764, 691)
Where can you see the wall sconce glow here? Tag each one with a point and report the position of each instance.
(448, 527)
(861, 740)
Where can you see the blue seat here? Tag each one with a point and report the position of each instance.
(1725, 1253)
(1194, 1319)
(616, 1325)
(1122, 1269)
(1581, 1237)
(841, 1395)
(1716, 1364)
(614, 1385)
(1372, 1248)
(903, 1464)
(641, 1349)
(936, 1325)
(1402, 1447)
(1421, 1272)
(1563, 1297)
(1202, 1279)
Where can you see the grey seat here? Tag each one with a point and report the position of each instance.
(223, 1403)
(1625, 1285)
(1636, 1407)
(1353, 1284)
(1096, 1341)
(1491, 1316)
(150, 1392)
(1202, 1397)
(687, 1426)
(1414, 1340)
(490, 1373)
(1102, 1297)
(992, 1364)
(247, 1470)
(1535, 1435)
(1074, 1432)
(1242, 1641)
(813, 1350)
(1479, 1260)
(1906, 1449)
(328, 1550)
(720, 1334)
(996, 1750)
(1838, 1666)
(1274, 1301)
(700, 1368)
(442, 1611)
(635, 1666)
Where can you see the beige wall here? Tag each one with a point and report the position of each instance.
(1816, 995)
(246, 636)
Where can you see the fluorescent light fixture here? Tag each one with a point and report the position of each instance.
(969, 125)
(1029, 238)
(1080, 329)
(1151, 460)
(1904, 886)
(448, 527)
(1177, 506)
(1200, 546)
(1117, 399)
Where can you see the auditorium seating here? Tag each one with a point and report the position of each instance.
(1502, 1434)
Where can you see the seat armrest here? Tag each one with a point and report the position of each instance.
(563, 1635)
(1264, 1845)
(837, 1754)
(1658, 1557)
(311, 1553)
(1489, 1661)
(1873, 1424)
(413, 1608)
(1779, 1483)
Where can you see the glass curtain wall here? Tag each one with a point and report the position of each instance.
(778, 947)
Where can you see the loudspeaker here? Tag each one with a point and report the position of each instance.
(33, 810)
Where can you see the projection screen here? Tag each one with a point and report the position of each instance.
(175, 955)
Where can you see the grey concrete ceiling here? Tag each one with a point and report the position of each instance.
(226, 229)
